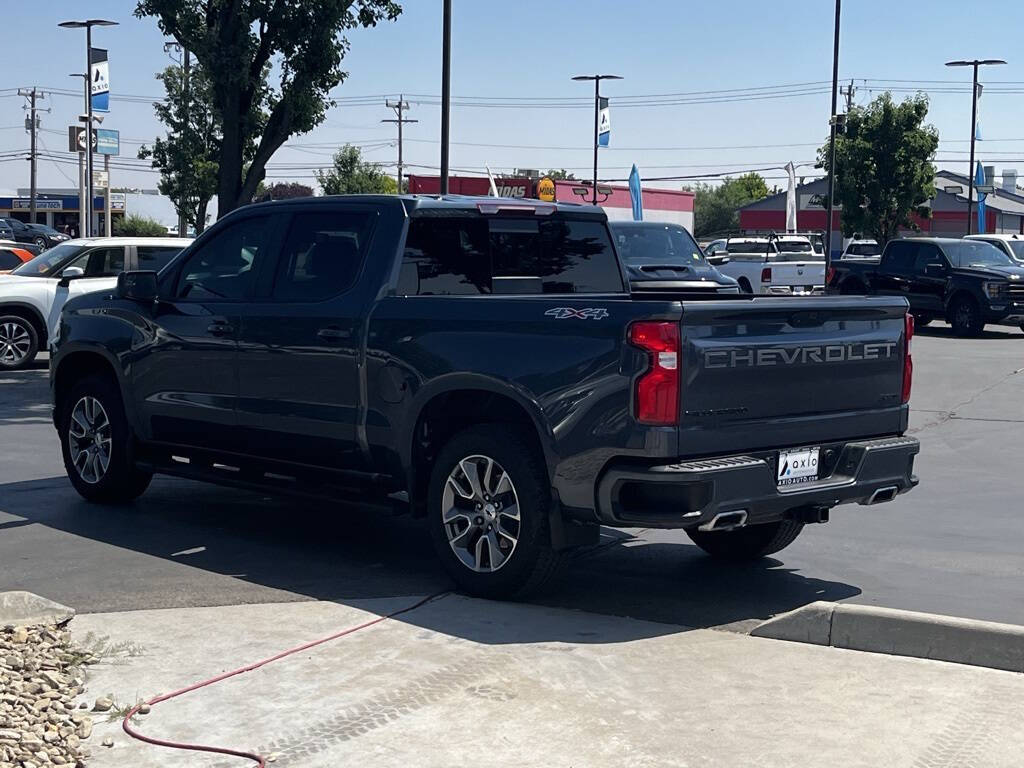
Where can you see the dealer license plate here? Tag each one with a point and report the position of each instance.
(798, 466)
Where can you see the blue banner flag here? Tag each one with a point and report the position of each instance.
(636, 193)
(99, 79)
(979, 181)
(604, 123)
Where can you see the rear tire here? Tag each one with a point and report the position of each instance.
(19, 342)
(97, 443)
(749, 543)
(920, 321)
(487, 552)
(965, 317)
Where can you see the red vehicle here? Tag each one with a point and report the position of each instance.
(12, 256)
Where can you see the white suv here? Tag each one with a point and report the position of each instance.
(32, 295)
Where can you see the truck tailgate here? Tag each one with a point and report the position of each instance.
(773, 372)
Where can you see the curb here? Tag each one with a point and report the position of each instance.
(25, 609)
(901, 633)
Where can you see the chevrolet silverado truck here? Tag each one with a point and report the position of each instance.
(481, 363)
(969, 283)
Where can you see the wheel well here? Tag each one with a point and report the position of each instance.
(451, 412)
(32, 316)
(955, 297)
(76, 367)
(745, 285)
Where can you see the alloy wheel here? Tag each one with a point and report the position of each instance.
(89, 439)
(480, 513)
(15, 343)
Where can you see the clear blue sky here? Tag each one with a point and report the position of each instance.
(530, 48)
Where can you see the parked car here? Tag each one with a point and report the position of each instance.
(481, 361)
(1011, 245)
(38, 234)
(775, 265)
(969, 283)
(664, 259)
(32, 295)
(11, 256)
(862, 249)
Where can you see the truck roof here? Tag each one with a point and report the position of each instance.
(480, 203)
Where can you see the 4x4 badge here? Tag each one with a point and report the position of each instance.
(589, 313)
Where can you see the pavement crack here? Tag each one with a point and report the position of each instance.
(950, 415)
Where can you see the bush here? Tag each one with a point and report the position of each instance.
(138, 226)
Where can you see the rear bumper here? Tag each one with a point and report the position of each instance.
(689, 494)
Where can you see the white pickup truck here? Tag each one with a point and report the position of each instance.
(32, 295)
(777, 265)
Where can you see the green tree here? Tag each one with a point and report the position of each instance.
(560, 174)
(281, 190)
(138, 226)
(351, 175)
(884, 169)
(236, 42)
(715, 208)
(188, 156)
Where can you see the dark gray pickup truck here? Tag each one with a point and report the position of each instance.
(482, 363)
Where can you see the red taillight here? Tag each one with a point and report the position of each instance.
(830, 275)
(908, 362)
(766, 275)
(657, 390)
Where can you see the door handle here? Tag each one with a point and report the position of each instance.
(333, 333)
(220, 328)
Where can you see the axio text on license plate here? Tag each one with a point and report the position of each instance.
(798, 466)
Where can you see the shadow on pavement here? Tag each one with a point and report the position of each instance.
(186, 544)
(943, 331)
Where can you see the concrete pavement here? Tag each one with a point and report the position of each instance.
(469, 682)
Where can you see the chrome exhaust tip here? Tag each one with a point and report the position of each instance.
(725, 521)
(883, 495)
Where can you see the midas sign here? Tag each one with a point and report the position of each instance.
(546, 190)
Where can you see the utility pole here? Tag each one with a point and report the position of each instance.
(32, 124)
(399, 106)
(848, 91)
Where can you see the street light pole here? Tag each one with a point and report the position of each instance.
(832, 143)
(446, 89)
(974, 64)
(88, 24)
(597, 117)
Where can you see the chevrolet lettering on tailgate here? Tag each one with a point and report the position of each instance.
(751, 357)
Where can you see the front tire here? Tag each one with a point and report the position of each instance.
(41, 242)
(97, 443)
(965, 317)
(488, 504)
(19, 342)
(748, 543)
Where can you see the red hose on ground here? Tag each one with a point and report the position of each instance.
(258, 759)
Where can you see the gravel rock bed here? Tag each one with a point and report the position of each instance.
(40, 677)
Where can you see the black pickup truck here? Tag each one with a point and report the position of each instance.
(481, 363)
(968, 283)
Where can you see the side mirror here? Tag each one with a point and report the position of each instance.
(69, 274)
(138, 286)
(718, 261)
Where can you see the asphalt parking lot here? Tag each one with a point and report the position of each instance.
(955, 545)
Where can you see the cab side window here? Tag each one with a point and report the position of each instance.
(927, 254)
(224, 267)
(322, 255)
(100, 262)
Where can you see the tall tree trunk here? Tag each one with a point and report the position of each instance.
(229, 175)
(200, 222)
